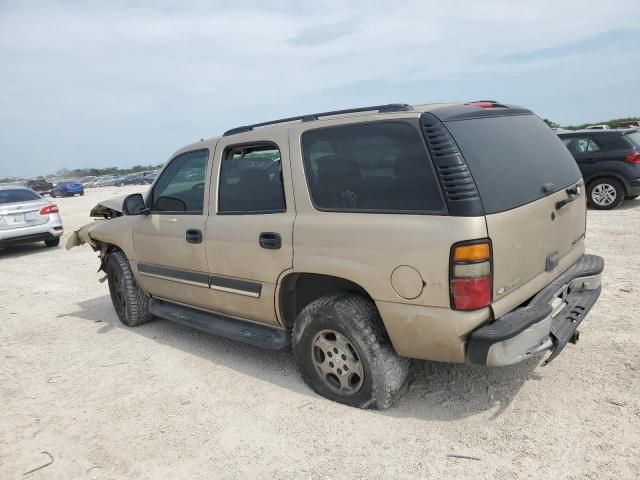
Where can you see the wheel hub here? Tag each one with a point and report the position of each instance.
(337, 362)
(604, 194)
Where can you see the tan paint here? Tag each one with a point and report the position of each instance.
(232, 240)
(430, 333)
(522, 239)
(407, 282)
(160, 239)
(364, 248)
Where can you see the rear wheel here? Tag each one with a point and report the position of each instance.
(605, 193)
(54, 242)
(344, 354)
(130, 302)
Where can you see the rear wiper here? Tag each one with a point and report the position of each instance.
(574, 193)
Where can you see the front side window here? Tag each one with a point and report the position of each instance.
(180, 188)
(371, 167)
(251, 180)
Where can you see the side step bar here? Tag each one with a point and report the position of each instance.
(222, 325)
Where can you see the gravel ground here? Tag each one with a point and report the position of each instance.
(165, 401)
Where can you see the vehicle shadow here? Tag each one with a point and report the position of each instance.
(17, 251)
(437, 391)
(629, 204)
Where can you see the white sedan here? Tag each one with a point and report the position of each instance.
(27, 217)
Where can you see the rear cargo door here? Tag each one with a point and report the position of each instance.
(534, 201)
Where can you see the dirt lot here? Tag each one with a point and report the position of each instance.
(164, 401)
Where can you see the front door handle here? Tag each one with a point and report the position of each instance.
(194, 236)
(270, 240)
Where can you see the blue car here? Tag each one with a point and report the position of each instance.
(67, 189)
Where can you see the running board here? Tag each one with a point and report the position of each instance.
(222, 325)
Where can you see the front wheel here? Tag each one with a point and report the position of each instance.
(605, 194)
(344, 354)
(129, 300)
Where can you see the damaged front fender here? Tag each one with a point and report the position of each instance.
(81, 236)
(113, 229)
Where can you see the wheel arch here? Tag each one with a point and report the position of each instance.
(299, 289)
(602, 176)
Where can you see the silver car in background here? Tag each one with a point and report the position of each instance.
(27, 217)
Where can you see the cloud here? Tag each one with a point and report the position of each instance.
(319, 34)
(94, 83)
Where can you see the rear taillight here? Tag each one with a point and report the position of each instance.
(471, 275)
(633, 158)
(47, 209)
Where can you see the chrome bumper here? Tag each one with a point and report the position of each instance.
(547, 323)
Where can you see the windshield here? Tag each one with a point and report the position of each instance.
(512, 159)
(18, 195)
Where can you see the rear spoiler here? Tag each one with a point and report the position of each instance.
(478, 109)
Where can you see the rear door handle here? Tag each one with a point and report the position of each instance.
(194, 236)
(270, 240)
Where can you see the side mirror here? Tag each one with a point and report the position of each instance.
(134, 205)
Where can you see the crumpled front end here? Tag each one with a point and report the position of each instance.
(104, 210)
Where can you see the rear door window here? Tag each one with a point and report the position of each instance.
(512, 158)
(251, 181)
(370, 167)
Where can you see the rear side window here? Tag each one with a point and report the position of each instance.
(372, 167)
(580, 144)
(251, 181)
(18, 195)
(633, 139)
(511, 158)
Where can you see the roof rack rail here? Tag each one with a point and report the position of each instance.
(391, 107)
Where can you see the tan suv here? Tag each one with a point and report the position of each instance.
(363, 238)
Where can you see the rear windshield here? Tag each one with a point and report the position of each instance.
(511, 158)
(633, 139)
(18, 195)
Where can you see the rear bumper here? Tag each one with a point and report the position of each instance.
(34, 233)
(548, 323)
(633, 188)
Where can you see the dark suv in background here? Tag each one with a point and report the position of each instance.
(610, 164)
(40, 186)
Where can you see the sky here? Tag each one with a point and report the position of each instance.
(121, 83)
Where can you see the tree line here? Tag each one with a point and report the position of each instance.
(613, 123)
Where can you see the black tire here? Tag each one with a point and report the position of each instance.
(82, 194)
(54, 242)
(632, 197)
(356, 319)
(130, 302)
(53, 195)
(613, 186)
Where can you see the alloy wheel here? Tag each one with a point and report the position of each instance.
(604, 194)
(337, 363)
